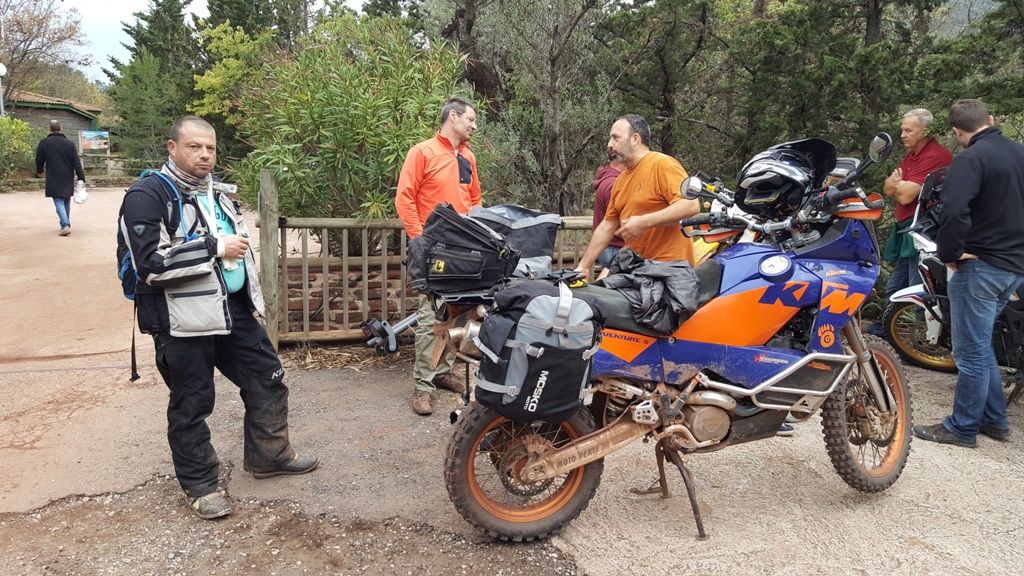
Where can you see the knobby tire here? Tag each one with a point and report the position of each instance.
(868, 456)
(483, 454)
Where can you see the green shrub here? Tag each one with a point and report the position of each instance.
(16, 147)
(335, 120)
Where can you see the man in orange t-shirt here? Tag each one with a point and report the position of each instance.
(441, 169)
(646, 205)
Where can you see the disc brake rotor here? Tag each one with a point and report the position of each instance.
(511, 463)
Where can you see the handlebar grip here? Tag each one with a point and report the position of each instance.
(695, 221)
(873, 204)
(833, 196)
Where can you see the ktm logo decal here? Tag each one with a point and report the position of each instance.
(827, 334)
(835, 298)
(788, 294)
(439, 266)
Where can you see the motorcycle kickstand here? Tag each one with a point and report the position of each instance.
(661, 487)
(661, 451)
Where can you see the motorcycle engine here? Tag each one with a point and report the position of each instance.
(706, 422)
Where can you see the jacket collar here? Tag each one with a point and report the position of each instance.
(448, 143)
(986, 133)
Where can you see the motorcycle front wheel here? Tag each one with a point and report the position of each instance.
(869, 448)
(483, 459)
(905, 328)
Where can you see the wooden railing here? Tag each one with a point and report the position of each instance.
(315, 297)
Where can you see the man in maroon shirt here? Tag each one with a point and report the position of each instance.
(603, 184)
(924, 155)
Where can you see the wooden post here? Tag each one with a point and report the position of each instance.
(269, 255)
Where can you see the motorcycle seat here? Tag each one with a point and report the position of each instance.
(616, 308)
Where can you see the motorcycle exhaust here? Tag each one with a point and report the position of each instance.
(585, 450)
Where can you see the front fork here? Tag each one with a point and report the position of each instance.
(884, 400)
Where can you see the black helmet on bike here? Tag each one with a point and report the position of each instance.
(774, 182)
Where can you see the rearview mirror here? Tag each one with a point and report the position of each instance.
(691, 188)
(880, 148)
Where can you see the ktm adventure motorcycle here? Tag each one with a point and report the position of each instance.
(772, 337)
(917, 319)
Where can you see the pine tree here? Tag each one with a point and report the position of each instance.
(253, 16)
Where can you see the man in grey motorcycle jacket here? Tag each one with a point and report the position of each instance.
(196, 295)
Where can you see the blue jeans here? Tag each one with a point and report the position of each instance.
(904, 275)
(63, 206)
(607, 255)
(977, 293)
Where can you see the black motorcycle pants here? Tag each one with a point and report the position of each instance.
(247, 358)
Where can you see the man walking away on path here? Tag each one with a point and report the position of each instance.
(979, 238)
(60, 158)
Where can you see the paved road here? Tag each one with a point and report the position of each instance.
(74, 425)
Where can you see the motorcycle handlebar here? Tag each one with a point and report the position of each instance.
(695, 221)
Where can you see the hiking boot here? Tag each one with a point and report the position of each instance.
(450, 382)
(423, 402)
(213, 505)
(938, 433)
(64, 231)
(298, 465)
(1000, 434)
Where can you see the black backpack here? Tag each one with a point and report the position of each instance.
(458, 254)
(538, 347)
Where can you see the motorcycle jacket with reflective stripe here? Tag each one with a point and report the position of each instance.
(181, 287)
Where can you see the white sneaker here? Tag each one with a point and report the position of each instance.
(65, 231)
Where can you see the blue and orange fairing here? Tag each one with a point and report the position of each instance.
(730, 334)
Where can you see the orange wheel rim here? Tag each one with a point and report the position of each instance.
(528, 510)
(892, 452)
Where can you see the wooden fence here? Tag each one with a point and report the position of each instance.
(315, 297)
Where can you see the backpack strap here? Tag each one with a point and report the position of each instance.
(529, 349)
(177, 196)
(564, 304)
(135, 366)
(512, 391)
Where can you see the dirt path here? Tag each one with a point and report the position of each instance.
(85, 485)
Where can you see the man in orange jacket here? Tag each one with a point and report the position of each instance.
(441, 169)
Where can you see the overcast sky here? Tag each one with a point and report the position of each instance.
(101, 26)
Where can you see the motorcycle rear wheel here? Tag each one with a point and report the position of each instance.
(868, 449)
(905, 329)
(484, 454)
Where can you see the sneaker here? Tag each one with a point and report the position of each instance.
(451, 382)
(1000, 434)
(785, 430)
(298, 465)
(65, 231)
(213, 505)
(423, 402)
(938, 433)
